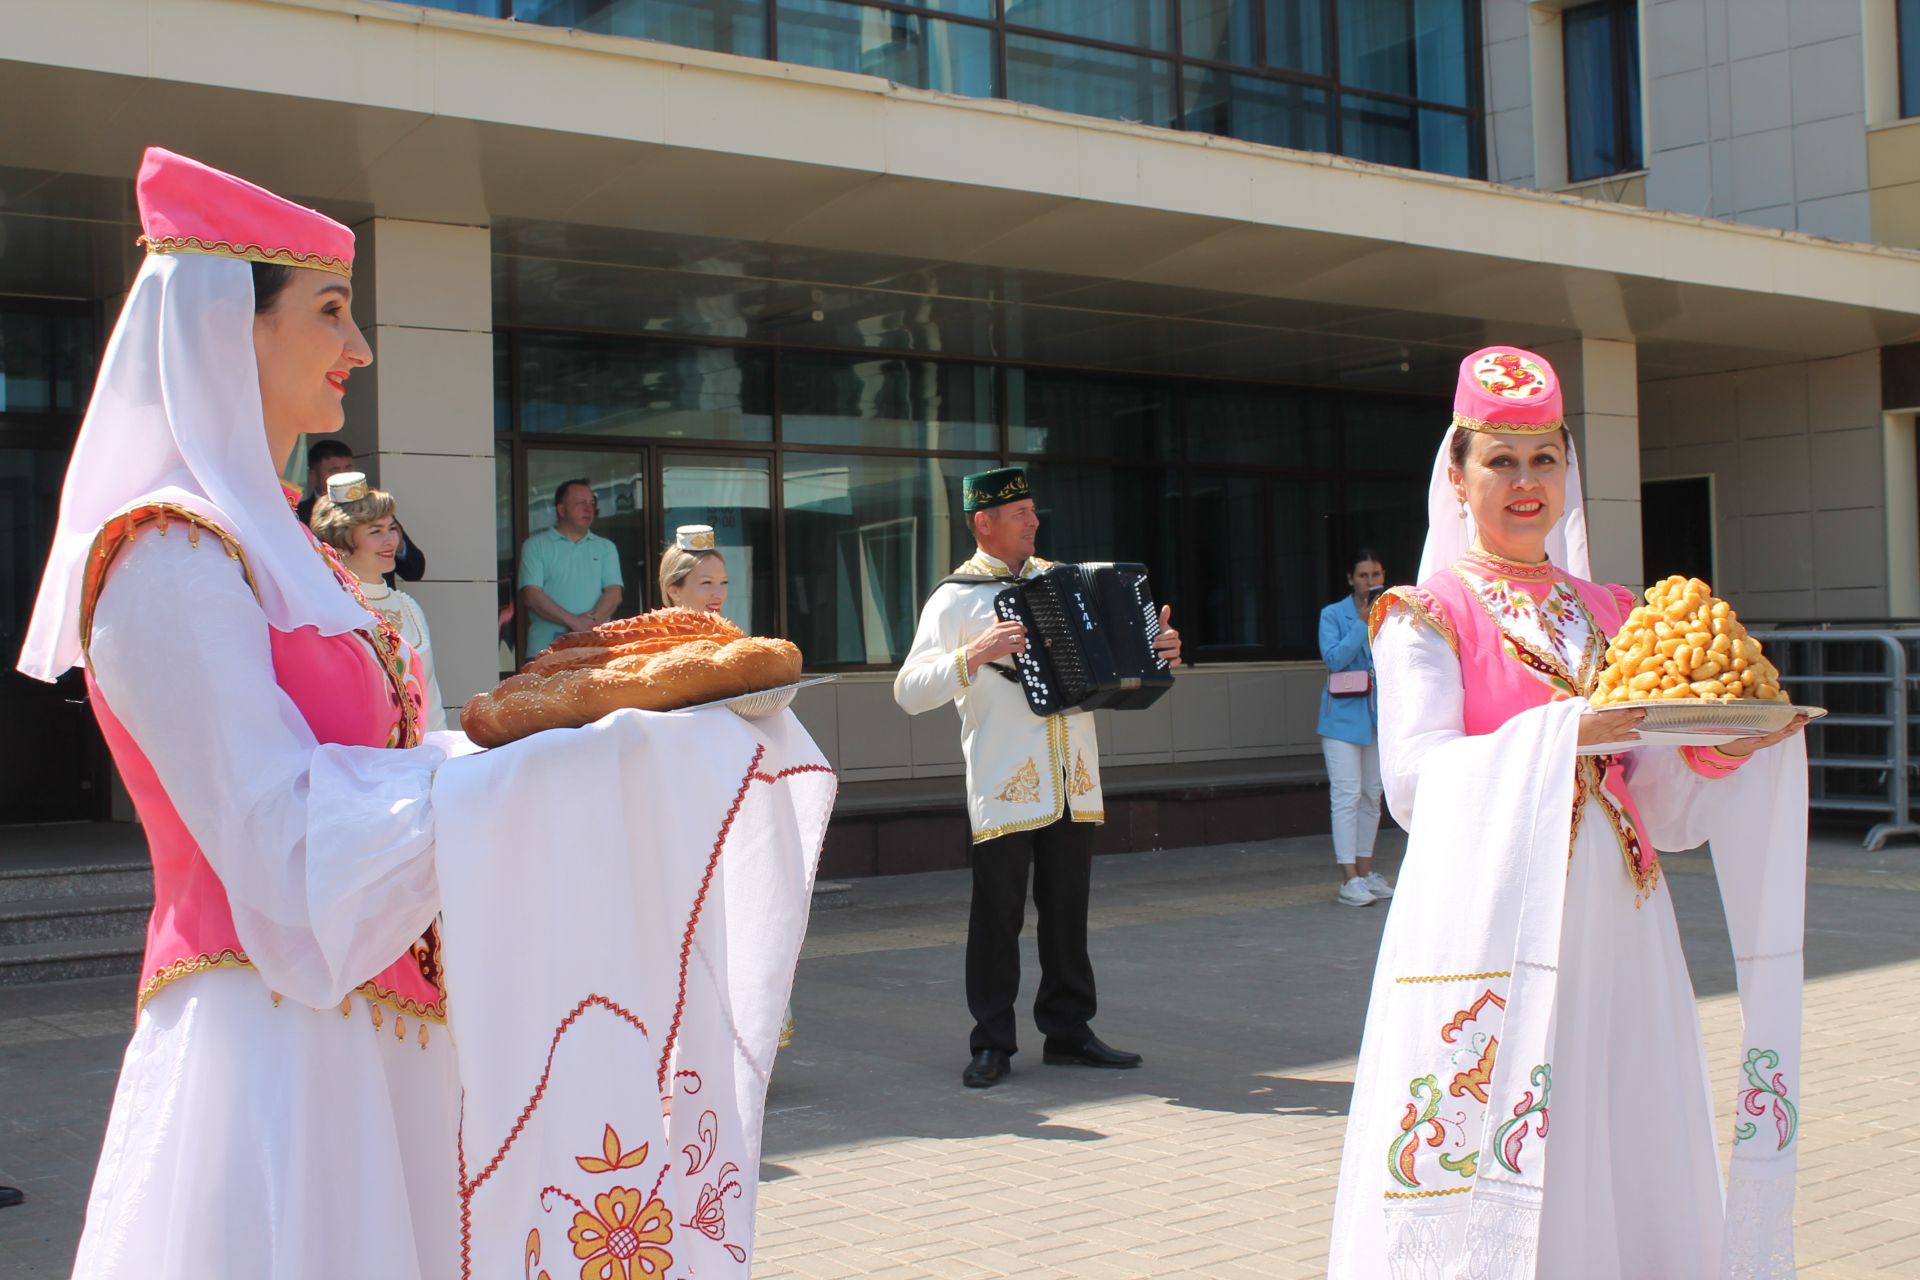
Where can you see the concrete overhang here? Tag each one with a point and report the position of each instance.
(423, 114)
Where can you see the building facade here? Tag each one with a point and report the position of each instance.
(792, 267)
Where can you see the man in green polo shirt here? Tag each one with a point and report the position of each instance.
(569, 575)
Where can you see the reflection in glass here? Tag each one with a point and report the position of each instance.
(1256, 110)
(725, 26)
(590, 387)
(1094, 513)
(906, 48)
(479, 8)
(1142, 24)
(1266, 428)
(1378, 131)
(1090, 416)
(619, 483)
(887, 403)
(506, 557)
(1218, 30)
(1603, 89)
(1301, 525)
(866, 540)
(46, 362)
(1297, 35)
(1230, 595)
(1446, 143)
(1417, 49)
(735, 496)
(1091, 82)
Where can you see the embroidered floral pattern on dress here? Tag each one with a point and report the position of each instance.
(1766, 1093)
(1420, 604)
(1023, 787)
(1554, 637)
(1425, 1128)
(619, 1239)
(1529, 1115)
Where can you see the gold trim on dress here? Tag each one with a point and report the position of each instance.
(227, 958)
(1465, 423)
(960, 667)
(1458, 977)
(119, 531)
(1423, 1195)
(1412, 600)
(246, 253)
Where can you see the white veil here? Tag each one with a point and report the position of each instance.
(1449, 536)
(176, 417)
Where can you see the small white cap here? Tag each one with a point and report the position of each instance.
(694, 537)
(347, 486)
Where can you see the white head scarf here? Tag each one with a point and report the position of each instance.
(1449, 536)
(176, 417)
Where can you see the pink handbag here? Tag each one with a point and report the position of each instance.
(1350, 684)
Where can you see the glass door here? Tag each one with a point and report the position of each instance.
(732, 492)
(618, 479)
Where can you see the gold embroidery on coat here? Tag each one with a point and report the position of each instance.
(1082, 780)
(1024, 786)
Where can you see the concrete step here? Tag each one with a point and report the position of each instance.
(23, 963)
(40, 883)
(65, 919)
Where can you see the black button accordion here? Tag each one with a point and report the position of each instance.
(1090, 631)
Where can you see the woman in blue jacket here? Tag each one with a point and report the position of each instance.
(1348, 721)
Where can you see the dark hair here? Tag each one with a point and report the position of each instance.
(1361, 556)
(269, 278)
(320, 450)
(1457, 451)
(560, 494)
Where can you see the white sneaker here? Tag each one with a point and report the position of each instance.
(1354, 893)
(1377, 885)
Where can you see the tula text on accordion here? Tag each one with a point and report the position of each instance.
(1090, 632)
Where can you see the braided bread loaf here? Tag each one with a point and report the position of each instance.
(659, 661)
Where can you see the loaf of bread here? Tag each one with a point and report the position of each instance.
(659, 661)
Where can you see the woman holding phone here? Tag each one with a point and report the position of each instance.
(1349, 723)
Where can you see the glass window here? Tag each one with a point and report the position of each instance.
(906, 48)
(866, 540)
(1227, 608)
(1387, 516)
(1909, 40)
(1302, 528)
(1394, 436)
(589, 387)
(1098, 513)
(887, 403)
(1088, 416)
(1297, 35)
(1411, 137)
(1091, 82)
(726, 26)
(1264, 428)
(1142, 24)
(506, 556)
(619, 483)
(1218, 30)
(735, 496)
(1256, 110)
(480, 8)
(26, 362)
(1415, 48)
(1602, 49)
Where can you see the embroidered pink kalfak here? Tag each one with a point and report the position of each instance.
(189, 207)
(1509, 390)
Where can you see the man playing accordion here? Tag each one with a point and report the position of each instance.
(1033, 791)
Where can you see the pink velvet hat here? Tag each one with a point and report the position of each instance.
(188, 207)
(1507, 390)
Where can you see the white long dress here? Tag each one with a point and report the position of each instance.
(1632, 1187)
(404, 612)
(244, 1127)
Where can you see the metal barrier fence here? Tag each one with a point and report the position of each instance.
(1860, 757)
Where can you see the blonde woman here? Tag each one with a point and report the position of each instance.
(693, 573)
(358, 523)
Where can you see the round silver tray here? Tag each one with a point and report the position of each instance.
(762, 703)
(1680, 723)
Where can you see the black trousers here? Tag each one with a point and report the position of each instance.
(1060, 857)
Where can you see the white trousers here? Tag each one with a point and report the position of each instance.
(1353, 781)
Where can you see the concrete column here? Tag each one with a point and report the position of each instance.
(422, 420)
(1600, 382)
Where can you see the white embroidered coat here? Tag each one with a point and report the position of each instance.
(1023, 770)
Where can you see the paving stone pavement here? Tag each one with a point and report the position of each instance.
(1234, 972)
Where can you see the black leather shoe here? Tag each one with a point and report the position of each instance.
(988, 1068)
(1091, 1054)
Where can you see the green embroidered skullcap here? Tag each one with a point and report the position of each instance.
(994, 488)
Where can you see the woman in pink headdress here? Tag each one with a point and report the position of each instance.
(1531, 1097)
(287, 1106)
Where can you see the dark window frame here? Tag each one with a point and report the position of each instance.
(1473, 112)
(1902, 52)
(1623, 33)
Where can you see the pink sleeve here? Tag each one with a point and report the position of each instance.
(1624, 597)
(1711, 762)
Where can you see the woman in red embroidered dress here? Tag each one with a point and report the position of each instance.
(1539, 988)
(285, 1108)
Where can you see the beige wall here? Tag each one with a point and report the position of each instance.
(1213, 713)
(1600, 383)
(1893, 176)
(1797, 457)
(422, 418)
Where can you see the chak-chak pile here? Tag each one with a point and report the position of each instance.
(658, 661)
(1684, 643)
